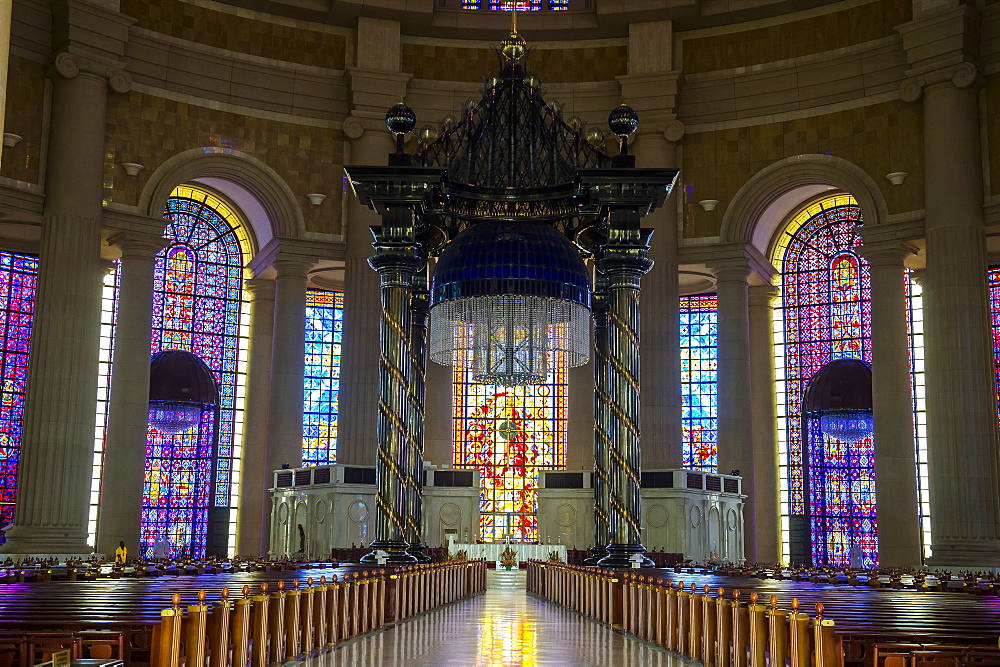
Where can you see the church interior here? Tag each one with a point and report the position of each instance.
(500, 332)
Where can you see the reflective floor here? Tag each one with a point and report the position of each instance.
(503, 627)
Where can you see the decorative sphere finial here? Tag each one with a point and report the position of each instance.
(400, 119)
(513, 46)
(623, 120)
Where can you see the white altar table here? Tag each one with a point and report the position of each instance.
(491, 552)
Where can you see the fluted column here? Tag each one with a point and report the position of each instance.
(255, 509)
(662, 442)
(602, 423)
(734, 391)
(963, 440)
(358, 397)
(623, 265)
(128, 413)
(897, 506)
(396, 262)
(52, 499)
(284, 427)
(415, 451)
(764, 433)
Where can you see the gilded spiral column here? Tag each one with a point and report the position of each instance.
(602, 422)
(623, 263)
(396, 260)
(418, 363)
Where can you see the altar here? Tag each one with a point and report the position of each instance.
(491, 551)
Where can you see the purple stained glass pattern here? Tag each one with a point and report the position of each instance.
(827, 315)
(197, 306)
(18, 277)
(993, 284)
(699, 381)
(324, 330)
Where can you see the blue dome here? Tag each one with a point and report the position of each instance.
(522, 258)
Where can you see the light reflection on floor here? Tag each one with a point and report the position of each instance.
(503, 628)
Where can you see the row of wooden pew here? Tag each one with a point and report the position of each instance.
(699, 619)
(88, 571)
(126, 619)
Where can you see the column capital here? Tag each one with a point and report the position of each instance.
(763, 296)
(136, 245)
(942, 46)
(70, 65)
(735, 270)
(886, 253)
(261, 289)
(293, 266)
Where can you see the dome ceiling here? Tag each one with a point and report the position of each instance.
(593, 19)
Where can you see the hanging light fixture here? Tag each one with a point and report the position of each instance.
(181, 386)
(847, 425)
(510, 293)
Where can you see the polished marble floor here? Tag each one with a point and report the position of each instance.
(505, 627)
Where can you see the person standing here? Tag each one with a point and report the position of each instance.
(121, 553)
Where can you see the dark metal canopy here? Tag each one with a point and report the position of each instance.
(842, 384)
(177, 376)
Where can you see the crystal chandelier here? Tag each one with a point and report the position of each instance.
(173, 417)
(847, 425)
(510, 293)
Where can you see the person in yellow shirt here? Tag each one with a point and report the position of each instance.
(121, 553)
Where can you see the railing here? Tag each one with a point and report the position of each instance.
(293, 622)
(703, 625)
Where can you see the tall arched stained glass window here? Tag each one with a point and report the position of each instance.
(699, 381)
(993, 284)
(824, 314)
(509, 434)
(18, 276)
(324, 331)
(191, 478)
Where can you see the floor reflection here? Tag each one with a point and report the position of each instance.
(503, 628)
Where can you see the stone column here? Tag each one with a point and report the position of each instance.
(735, 407)
(5, 8)
(359, 362)
(764, 434)
(897, 506)
(284, 427)
(963, 440)
(128, 413)
(52, 506)
(255, 508)
(662, 445)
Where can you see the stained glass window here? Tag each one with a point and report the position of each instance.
(519, 5)
(509, 434)
(915, 326)
(324, 329)
(18, 276)
(824, 314)
(699, 381)
(198, 307)
(109, 320)
(993, 284)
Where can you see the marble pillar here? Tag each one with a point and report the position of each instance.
(963, 439)
(128, 411)
(255, 475)
(764, 433)
(734, 391)
(284, 426)
(897, 508)
(52, 505)
(356, 441)
(662, 445)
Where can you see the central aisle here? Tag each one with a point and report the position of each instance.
(503, 627)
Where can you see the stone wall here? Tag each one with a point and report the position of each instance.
(25, 102)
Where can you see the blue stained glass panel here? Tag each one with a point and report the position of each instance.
(699, 381)
(324, 332)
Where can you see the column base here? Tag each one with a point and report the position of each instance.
(971, 554)
(37, 540)
(597, 552)
(416, 549)
(620, 557)
(395, 553)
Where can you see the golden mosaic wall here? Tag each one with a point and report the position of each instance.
(993, 130)
(880, 139)
(449, 63)
(796, 38)
(236, 33)
(23, 116)
(149, 130)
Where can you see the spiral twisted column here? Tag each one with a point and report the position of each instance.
(623, 266)
(602, 422)
(396, 263)
(419, 304)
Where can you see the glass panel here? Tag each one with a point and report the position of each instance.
(324, 331)
(699, 381)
